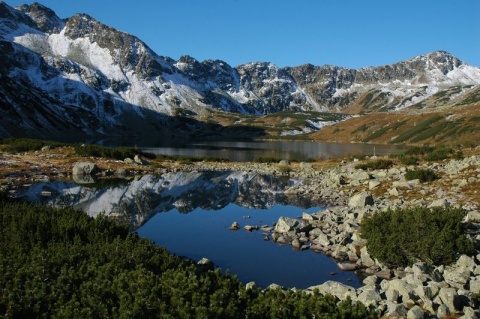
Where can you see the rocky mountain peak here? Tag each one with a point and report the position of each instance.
(13, 16)
(93, 67)
(45, 18)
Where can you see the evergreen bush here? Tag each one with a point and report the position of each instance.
(60, 263)
(424, 175)
(399, 237)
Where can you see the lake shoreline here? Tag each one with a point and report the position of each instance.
(351, 194)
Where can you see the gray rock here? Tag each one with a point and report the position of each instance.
(396, 310)
(384, 274)
(285, 224)
(205, 264)
(405, 290)
(392, 295)
(373, 184)
(415, 313)
(347, 266)
(361, 200)
(296, 244)
(251, 285)
(275, 287)
(473, 217)
(359, 176)
(365, 257)
(138, 160)
(447, 297)
(339, 290)
(84, 168)
(457, 276)
(129, 161)
(470, 313)
(306, 166)
(46, 148)
(424, 292)
(443, 311)
(442, 202)
(235, 226)
(393, 191)
(369, 297)
(475, 285)
(467, 262)
(322, 240)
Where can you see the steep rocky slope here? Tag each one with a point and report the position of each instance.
(78, 77)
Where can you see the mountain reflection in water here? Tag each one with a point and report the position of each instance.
(138, 200)
(189, 213)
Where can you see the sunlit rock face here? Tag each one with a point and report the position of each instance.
(81, 77)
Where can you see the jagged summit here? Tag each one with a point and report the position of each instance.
(95, 78)
(45, 18)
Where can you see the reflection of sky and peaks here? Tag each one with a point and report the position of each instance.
(190, 214)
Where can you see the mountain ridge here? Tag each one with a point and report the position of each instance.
(109, 76)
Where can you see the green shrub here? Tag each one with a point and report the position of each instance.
(434, 236)
(438, 154)
(361, 128)
(378, 164)
(18, 145)
(419, 150)
(266, 160)
(424, 175)
(409, 160)
(60, 263)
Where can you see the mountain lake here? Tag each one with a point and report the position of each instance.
(245, 151)
(190, 213)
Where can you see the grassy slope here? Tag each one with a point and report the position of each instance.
(441, 119)
(461, 126)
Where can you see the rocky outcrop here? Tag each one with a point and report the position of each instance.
(123, 87)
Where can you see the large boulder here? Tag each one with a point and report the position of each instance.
(361, 200)
(339, 290)
(85, 168)
(369, 297)
(285, 224)
(447, 297)
(360, 176)
(405, 290)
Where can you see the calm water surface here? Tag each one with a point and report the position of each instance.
(205, 233)
(190, 213)
(248, 151)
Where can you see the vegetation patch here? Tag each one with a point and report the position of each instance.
(361, 128)
(376, 134)
(378, 164)
(424, 175)
(409, 160)
(414, 131)
(118, 153)
(431, 153)
(60, 263)
(399, 237)
(18, 145)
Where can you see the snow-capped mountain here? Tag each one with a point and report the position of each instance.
(79, 77)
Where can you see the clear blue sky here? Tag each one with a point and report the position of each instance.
(350, 33)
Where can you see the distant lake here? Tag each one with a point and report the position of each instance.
(190, 213)
(289, 150)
